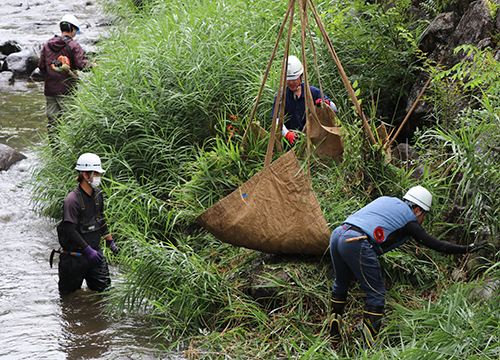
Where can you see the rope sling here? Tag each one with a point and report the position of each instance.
(276, 211)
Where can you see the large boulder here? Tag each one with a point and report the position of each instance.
(22, 63)
(445, 33)
(475, 26)
(9, 156)
(434, 43)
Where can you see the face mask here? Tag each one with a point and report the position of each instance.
(95, 182)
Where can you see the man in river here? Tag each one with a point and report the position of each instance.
(81, 229)
(295, 101)
(59, 83)
(383, 225)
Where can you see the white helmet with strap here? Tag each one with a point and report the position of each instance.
(419, 196)
(72, 20)
(89, 162)
(294, 68)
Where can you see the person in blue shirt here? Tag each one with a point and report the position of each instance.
(383, 225)
(295, 105)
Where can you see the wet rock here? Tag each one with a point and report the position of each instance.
(36, 75)
(22, 63)
(10, 47)
(9, 156)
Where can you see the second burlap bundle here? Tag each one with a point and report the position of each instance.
(325, 135)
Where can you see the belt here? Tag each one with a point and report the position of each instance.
(355, 228)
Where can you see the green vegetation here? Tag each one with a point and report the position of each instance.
(166, 109)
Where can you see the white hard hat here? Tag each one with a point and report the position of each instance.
(294, 69)
(71, 19)
(89, 162)
(419, 196)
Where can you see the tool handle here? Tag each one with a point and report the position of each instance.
(356, 238)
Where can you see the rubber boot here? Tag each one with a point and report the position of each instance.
(338, 302)
(372, 319)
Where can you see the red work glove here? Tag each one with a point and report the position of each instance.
(291, 137)
(318, 101)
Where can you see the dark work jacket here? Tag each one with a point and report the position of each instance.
(90, 222)
(55, 83)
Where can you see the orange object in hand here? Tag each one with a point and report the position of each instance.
(61, 60)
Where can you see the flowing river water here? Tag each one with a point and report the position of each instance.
(35, 322)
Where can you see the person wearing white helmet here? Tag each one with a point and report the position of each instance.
(60, 58)
(81, 229)
(295, 106)
(383, 225)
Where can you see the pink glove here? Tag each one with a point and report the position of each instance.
(318, 101)
(291, 137)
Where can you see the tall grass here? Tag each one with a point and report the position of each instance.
(459, 324)
(175, 82)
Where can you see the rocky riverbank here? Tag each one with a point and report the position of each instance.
(26, 26)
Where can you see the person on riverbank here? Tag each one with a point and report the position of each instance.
(383, 225)
(295, 101)
(81, 229)
(59, 83)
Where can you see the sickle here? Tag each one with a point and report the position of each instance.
(64, 252)
(51, 258)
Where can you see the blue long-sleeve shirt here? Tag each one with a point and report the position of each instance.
(295, 108)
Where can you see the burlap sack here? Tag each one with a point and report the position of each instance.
(276, 211)
(327, 136)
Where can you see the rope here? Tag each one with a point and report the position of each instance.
(267, 72)
(342, 73)
(282, 85)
